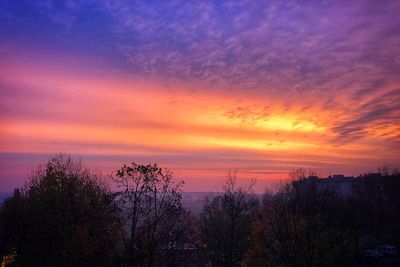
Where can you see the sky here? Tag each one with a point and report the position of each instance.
(200, 87)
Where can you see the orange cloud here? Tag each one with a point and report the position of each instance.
(48, 112)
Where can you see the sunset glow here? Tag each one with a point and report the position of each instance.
(280, 86)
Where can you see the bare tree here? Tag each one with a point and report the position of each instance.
(226, 222)
(305, 224)
(152, 201)
(298, 174)
(389, 170)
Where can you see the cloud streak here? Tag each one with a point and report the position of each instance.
(263, 86)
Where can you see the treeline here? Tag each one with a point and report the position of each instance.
(66, 215)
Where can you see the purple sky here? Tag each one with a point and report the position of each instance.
(202, 87)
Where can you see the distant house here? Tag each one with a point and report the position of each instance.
(342, 184)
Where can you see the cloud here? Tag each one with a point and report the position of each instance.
(313, 84)
(381, 114)
(271, 47)
(277, 45)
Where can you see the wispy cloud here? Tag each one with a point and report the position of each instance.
(278, 45)
(231, 83)
(379, 116)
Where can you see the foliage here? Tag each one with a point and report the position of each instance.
(304, 224)
(226, 222)
(152, 201)
(377, 197)
(64, 216)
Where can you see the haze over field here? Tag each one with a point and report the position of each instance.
(200, 87)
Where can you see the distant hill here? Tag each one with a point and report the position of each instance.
(194, 201)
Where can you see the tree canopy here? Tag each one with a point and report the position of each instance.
(64, 216)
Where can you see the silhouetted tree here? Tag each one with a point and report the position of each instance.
(64, 216)
(152, 201)
(12, 214)
(305, 224)
(226, 222)
(377, 197)
(389, 170)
